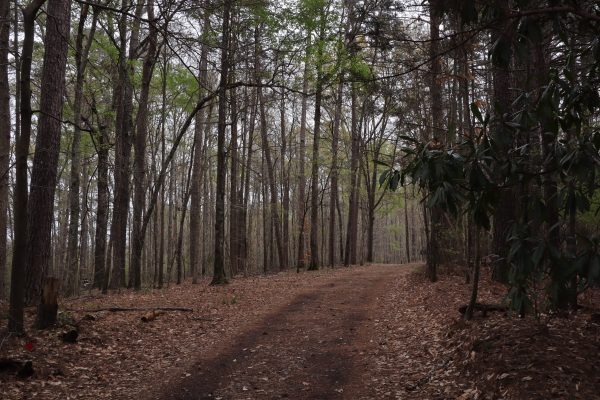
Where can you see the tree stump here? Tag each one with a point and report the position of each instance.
(48, 308)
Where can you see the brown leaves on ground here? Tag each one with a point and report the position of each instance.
(117, 356)
(421, 349)
(428, 352)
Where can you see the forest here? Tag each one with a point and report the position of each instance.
(171, 167)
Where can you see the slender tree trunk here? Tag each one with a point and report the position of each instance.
(475, 278)
(314, 199)
(549, 185)
(155, 231)
(139, 162)
(18, 275)
(301, 208)
(435, 90)
(124, 125)
(171, 222)
(406, 227)
(100, 280)
(5, 119)
(372, 186)
(233, 188)
(504, 214)
(219, 262)
(84, 264)
(246, 195)
(285, 186)
(206, 217)
(159, 277)
(81, 59)
(186, 198)
(333, 201)
(352, 230)
(196, 188)
(275, 220)
(265, 217)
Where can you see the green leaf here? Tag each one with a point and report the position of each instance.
(379, 162)
(383, 177)
(394, 181)
(476, 112)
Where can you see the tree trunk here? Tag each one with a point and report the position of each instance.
(233, 188)
(285, 186)
(81, 60)
(333, 201)
(48, 307)
(18, 275)
(159, 276)
(475, 278)
(314, 195)
(40, 208)
(246, 195)
(219, 262)
(124, 125)
(5, 118)
(352, 229)
(301, 210)
(196, 188)
(139, 162)
(100, 280)
(406, 227)
(186, 198)
(504, 214)
(435, 90)
(84, 264)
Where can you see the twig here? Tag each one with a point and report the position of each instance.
(125, 309)
(4, 339)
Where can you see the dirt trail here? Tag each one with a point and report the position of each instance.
(309, 349)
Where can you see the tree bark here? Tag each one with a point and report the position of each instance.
(406, 226)
(139, 162)
(268, 160)
(40, 208)
(196, 188)
(81, 59)
(233, 188)
(246, 193)
(18, 275)
(435, 90)
(185, 200)
(219, 262)
(504, 214)
(124, 125)
(314, 195)
(5, 123)
(352, 229)
(333, 201)
(100, 280)
(285, 185)
(301, 208)
(475, 278)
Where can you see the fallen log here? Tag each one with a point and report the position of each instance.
(129, 309)
(151, 316)
(23, 369)
(483, 308)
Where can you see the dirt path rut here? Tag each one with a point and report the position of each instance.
(309, 349)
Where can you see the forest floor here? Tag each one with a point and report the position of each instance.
(370, 332)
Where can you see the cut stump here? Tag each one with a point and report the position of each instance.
(48, 308)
